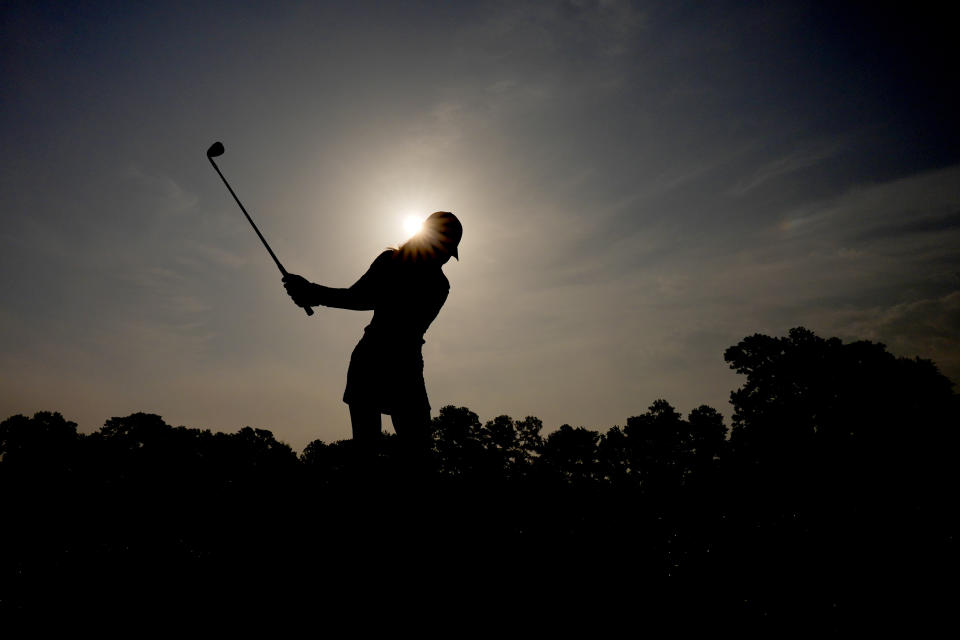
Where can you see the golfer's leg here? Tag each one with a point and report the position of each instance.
(366, 424)
(414, 482)
(364, 472)
(366, 439)
(413, 429)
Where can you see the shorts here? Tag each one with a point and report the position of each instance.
(386, 377)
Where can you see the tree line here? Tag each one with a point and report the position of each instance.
(826, 502)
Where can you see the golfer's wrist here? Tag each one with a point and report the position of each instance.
(320, 295)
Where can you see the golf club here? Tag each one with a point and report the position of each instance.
(216, 150)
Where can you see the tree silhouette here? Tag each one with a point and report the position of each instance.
(838, 453)
(613, 453)
(708, 439)
(572, 453)
(456, 436)
(37, 446)
(831, 493)
(660, 444)
(803, 391)
(510, 447)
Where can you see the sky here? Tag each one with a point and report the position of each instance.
(641, 185)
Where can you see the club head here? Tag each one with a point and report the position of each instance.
(216, 149)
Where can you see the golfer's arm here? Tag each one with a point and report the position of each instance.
(361, 296)
(356, 297)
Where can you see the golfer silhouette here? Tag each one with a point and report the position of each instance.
(405, 288)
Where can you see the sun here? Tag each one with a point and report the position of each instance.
(412, 225)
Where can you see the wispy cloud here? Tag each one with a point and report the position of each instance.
(873, 213)
(173, 197)
(784, 165)
(929, 327)
(199, 254)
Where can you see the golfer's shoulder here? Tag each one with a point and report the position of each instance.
(384, 260)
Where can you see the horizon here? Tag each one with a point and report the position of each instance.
(484, 420)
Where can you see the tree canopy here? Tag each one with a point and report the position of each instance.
(836, 471)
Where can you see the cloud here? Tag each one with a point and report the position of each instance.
(599, 27)
(784, 165)
(199, 254)
(928, 328)
(922, 225)
(162, 189)
(528, 52)
(918, 202)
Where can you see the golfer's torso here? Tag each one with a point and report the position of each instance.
(408, 299)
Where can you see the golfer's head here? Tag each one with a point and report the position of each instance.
(443, 231)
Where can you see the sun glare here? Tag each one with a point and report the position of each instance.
(412, 224)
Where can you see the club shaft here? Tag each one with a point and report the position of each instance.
(266, 245)
(249, 219)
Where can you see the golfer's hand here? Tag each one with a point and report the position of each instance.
(298, 288)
